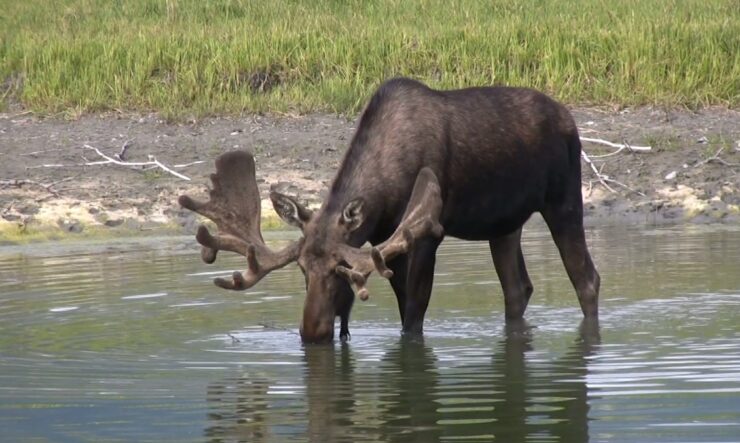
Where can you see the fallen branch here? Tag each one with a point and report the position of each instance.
(35, 153)
(618, 183)
(153, 162)
(121, 155)
(716, 158)
(599, 175)
(620, 146)
(19, 183)
(185, 165)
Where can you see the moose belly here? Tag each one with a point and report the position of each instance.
(477, 216)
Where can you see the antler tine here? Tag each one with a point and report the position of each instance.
(401, 244)
(234, 205)
(421, 219)
(357, 279)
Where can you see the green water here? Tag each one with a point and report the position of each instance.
(129, 341)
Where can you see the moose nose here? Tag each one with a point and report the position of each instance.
(317, 332)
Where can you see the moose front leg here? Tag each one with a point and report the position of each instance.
(419, 279)
(399, 266)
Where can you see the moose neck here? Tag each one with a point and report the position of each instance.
(353, 182)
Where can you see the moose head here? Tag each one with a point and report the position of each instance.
(334, 270)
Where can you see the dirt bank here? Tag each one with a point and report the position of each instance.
(44, 188)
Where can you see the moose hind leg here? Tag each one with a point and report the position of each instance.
(566, 228)
(419, 279)
(512, 273)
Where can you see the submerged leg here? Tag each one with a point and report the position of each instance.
(566, 227)
(512, 273)
(399, 266)
(420, 275)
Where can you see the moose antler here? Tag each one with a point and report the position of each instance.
(421, 219)
(234, 206)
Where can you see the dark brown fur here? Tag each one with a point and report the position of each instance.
(500, 154)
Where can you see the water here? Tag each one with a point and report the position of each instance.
(129, 341)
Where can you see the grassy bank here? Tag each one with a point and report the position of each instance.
(192, 57)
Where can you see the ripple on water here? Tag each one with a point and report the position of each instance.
(153, 351)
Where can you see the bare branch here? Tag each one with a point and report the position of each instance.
(153, 162)
(121, 155)
(716, 158)
(185, 165)
(19, 183)
(598, 174)
(620, 146)
(35, 153)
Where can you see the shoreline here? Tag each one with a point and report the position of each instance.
(691, 174)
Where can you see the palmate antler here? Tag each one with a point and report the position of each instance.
(421, 219)
(234, 206)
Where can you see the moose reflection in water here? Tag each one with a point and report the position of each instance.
(415, 395)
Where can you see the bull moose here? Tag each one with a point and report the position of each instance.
(473, 163)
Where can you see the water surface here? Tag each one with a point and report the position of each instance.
(129, 341)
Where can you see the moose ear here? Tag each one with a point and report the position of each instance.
(352, 214)
(290, 210)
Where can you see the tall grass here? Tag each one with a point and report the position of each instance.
(195, 57)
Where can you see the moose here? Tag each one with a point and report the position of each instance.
(472, 163)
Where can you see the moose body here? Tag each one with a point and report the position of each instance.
(474, 163)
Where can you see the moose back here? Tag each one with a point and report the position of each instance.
(473, 163)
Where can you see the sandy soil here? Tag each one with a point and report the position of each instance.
(671, 184)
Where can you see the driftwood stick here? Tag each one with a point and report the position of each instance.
(598, 174)
(620, 146)
(153, 162)
(185, 165)
(19, 183)
(716, 158)
(35, 153)
(122, 155)
(618, 183)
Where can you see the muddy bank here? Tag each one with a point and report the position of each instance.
(45, 188)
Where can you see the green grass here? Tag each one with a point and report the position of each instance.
(194, 57)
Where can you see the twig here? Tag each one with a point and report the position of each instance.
(121, 155)
(110, 160)
(276, 328)
(618, 183)
(617, 145)
(233, 339)
(716, 158)
(152, 162)
(34, 153)
(620, 146)
(185, 165)
(598, 175)
(9, 207)
(19, 183)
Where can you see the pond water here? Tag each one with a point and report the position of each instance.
(129, 341)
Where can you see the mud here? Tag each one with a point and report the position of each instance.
(43, 185)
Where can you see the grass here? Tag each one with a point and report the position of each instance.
(194, 58)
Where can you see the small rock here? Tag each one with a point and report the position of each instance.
(113, 222)
(71, 226)
(702, 140)
(671, 175)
